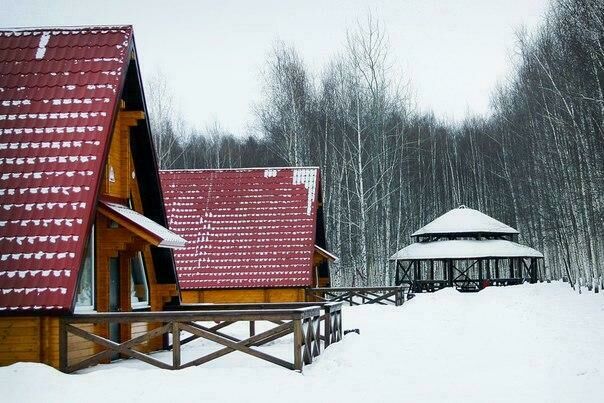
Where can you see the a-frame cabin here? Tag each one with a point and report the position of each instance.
(82, 221)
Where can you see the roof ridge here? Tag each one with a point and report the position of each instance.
(234, 169)
(65, 28)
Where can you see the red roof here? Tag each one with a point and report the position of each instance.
(243, 227)
(58, 92)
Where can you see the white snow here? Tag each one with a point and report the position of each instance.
(307, 177)
(464, 219)
(41, 51)
(465, 249)
(168, 238)
(529, 343)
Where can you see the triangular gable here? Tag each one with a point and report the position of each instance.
(244, 227)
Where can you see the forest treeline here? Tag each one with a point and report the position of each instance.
(536, 162)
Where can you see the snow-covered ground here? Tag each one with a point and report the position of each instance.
(530, 343)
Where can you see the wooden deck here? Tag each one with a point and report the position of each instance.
(303, 321)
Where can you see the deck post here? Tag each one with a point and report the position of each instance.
(298, 342)
(449, 263)
(252, 328)
(175, 346)
(327, 325)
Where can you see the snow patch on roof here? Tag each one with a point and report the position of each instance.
(308, 178)
(42, 45)
(270, 173)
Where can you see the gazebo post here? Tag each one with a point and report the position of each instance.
(512, 268)
(533, 270)
(497, 268)
(449, 263)
(480, 278)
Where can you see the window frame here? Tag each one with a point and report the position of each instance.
(140, 304)
(92, 307)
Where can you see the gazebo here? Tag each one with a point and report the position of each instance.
(466, 249)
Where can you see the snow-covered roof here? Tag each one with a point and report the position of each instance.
(58, 92)
(244, 227)
(163, 237)
(465, 249)
(326, 254)
(464, 220)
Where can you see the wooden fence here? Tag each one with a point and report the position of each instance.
(361, 295)
(302, 321)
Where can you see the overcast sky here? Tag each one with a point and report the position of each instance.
(212, 52)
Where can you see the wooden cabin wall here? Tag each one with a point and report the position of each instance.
(246, 295)
(119, 170)
(36, 339)
(20, 339)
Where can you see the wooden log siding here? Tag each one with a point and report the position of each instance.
(368, 295)
(303, 322)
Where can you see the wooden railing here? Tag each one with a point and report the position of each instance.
(303, 322)
(331, 316)
(361, 295)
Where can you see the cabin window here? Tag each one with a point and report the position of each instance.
(85, 295)
(139, 293)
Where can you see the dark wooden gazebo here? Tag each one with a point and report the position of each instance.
(466, 249)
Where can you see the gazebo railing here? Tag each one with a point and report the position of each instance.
(474, 277)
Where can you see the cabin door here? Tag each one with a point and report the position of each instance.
(114, 298)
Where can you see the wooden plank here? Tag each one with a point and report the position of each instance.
(18, 323)
(194, 316)
(263, 338)
(298, 341)
(213, 328)
(122, 348)
(236, 346)
(106, 354)
(175, 345)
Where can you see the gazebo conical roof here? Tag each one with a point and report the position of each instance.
(464, 220)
